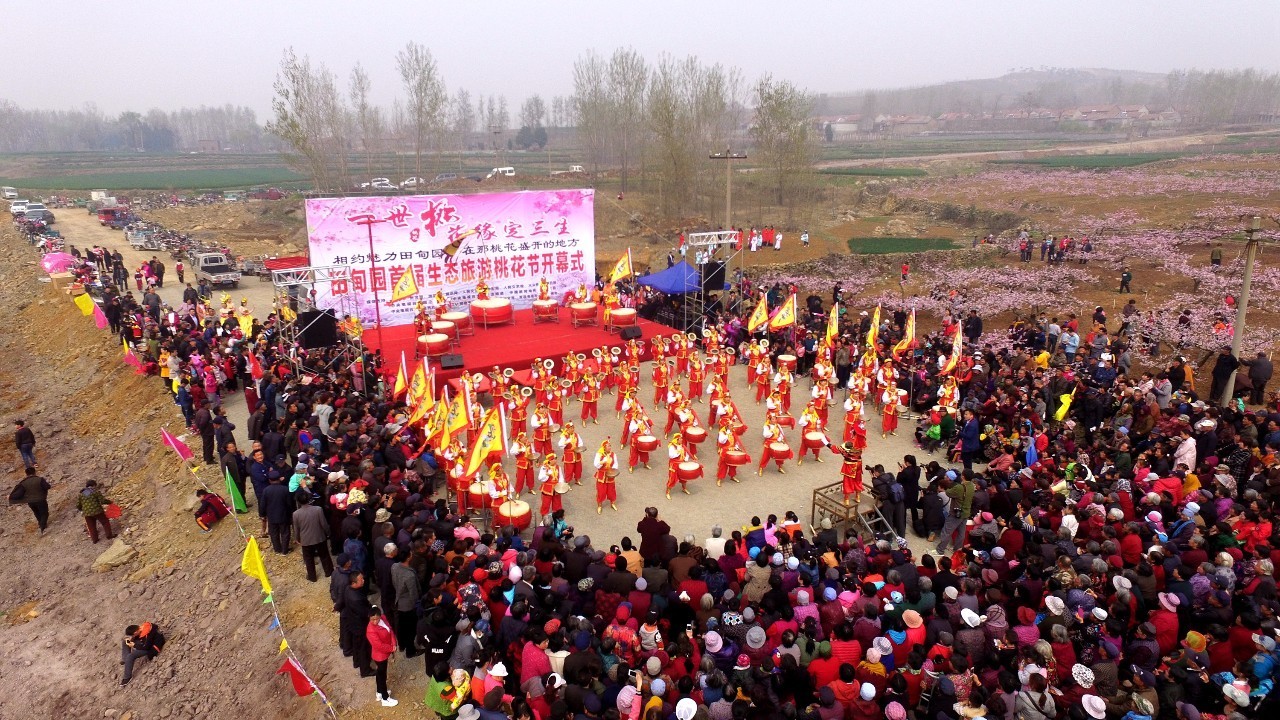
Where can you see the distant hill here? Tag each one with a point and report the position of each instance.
(1027, 88)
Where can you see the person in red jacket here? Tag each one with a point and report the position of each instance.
(383, 641)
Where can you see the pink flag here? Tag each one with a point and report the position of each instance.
(99, 318)
(178, 446)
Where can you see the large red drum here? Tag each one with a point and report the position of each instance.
(779, 450)
(646, 443)
(814, 440)
(513, 513)
(477, 497)
(583, 313)
(435, 344)
(695, 435)
(787, 361)
(444, 327)
(736, 457)
(460, 320)
(493, 311)
(786, 421)
(546, 311)
(689, 470)
(622, 317)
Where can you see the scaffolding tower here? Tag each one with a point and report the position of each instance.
(719, 246)
(306, 289)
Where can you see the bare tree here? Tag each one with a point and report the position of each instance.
(367, 116)
(300, 120)
(425, 94)
(533, 112)
(462, 117)
(784, 138)
(592, 108)
(628, 78)
(671, 122)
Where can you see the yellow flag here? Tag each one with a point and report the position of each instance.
(759, 316)
(402, 384)
(622, 269)
(251, 564)
(786, 315)
(457, 418)
(284, 645)
(1065, 405)
(488, 441)
(434, 420)
(85, 303)
(957, 347)
(418, 384)
(873, 334)
(405, 287)
(908, 336)
(833, 324)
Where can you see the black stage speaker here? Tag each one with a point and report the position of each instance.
(317, 329)
(451, 361)
(713, 277)
(631, 333)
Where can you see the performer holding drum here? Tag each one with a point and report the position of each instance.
(606, 464)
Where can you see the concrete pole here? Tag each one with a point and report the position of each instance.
(1242, 306)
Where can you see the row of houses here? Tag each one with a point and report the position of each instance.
(1091, 117)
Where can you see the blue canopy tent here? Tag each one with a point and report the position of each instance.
(678, 279)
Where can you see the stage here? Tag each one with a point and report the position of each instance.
(515, 344)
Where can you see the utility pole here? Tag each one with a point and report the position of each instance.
(1242, 307)
(728, 156)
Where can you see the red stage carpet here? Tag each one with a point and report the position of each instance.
(515, 345)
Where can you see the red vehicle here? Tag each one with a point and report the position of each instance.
(108, 215)
(265, 194)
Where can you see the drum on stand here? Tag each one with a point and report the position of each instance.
(583, 313)
(814, 440)
(622, 317)
(478, 498)
(786, 421)
(513, 513)
(460, 320)
(646, 443)
(695, 435)
(444, 327)
(736, 458)
(780, 450)
(494, 311)
(787, 361)
(435, 344)
(546, 311)
(689, 471)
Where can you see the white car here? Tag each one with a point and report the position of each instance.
(414, 182)
(17, 207)
(378, 184)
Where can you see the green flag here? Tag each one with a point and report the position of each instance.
(237, 500)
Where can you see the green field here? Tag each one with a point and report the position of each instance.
(160, 179)
(1093, 162)
(874, 171)
(887, 245)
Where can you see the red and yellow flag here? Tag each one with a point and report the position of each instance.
(957, 347)
(489, 440)
(785, 316)
(406, 287)
(456, 419)
(833, 325)
(759, 316)
(402, 382)
(622, 269)
(419, 390)
(908, 336)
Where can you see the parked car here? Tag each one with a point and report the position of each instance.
(17, 207)
(446, 177)
(9, 193)
(215, 268)
(378, 184)
(503, 171)
(38, 215)
(414, 182)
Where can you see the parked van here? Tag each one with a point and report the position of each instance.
(9, 193)
(504, 171)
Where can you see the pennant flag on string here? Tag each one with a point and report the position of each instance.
(100, 318)
(270, 598)
(284, 645)
(275, 623)
(301, 683)
(178, 446)
(251, 565)
(129, 357)
(233, 491)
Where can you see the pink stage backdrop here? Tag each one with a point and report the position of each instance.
(449, 242)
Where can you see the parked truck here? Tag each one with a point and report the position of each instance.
(216, 269)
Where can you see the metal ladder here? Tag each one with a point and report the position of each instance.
(876, 525)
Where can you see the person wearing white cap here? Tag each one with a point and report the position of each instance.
(1095, 706)
(686, 709)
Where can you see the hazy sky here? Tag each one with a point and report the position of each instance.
(139, 54)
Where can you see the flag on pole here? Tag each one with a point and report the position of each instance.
(255, 367)
(418, 385)
(233, 491)
(785, 316)
(833, 325)
(908, 336)
(489, 440)
(402, 382)
(456, 419)
(251, 564)
(129, 357)
(1064, 406)
(406, 287)
(99, 318)
(759, 316)
(85, 303)
(622, 269)
(957, 347)
(434, 421)
(178, 446)
(873, 335)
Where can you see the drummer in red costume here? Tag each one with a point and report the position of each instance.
(549, 486)
(628, 379)
(498, 485)
(629, 405)
(675, 455)
(442, 305)
(674, 399)
(522, 451)
(810, 422)
(726, 442)
(639, 426)
(889, 412)
(590, 398)
(850, 471)
(683, 350)
(855, 427)
(688, 420)
(606, 464)
(518, 402)
(772, 433)
(555, 395)
(754, 354)
(544, 290)
(661, 379)
(571, 450)
(782, 381)
(421, 319)
(697, 378)
(764, 372)
(482, 289)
